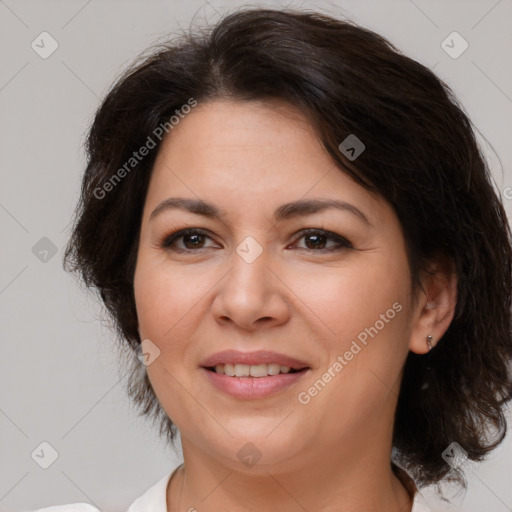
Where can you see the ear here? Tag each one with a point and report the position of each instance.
(435, 303)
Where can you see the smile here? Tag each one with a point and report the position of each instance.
(252, 375)
(255, 370)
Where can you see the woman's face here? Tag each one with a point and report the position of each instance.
(249, 287)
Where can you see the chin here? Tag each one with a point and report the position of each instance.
(261, 443)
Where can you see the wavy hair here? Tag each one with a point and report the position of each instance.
(421, 156)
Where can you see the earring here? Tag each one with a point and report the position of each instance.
(429, 345)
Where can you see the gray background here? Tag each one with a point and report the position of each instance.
(60, 381)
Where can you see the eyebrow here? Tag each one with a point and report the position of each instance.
(295, 209)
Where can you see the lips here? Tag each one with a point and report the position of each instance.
(234, 357)
(252, 375)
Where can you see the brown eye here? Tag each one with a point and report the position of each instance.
(195, 240)
(185, 240)
(317, 240)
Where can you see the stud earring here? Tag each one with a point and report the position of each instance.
(429, 345)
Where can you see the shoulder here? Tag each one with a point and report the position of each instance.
(153, 499)
(72, 507)
(433, 504)
(419, 504)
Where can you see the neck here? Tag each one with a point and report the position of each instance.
(350, 481)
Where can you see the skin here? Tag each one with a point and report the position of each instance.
(249, 158)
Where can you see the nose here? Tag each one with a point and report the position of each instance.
(252, 295)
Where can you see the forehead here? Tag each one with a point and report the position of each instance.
(244, 135)
(247, 154)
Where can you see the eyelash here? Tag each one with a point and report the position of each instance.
(342, 243)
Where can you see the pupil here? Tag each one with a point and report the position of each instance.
(197, 239)
(317, 240)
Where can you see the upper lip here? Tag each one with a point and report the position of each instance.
(252, 358)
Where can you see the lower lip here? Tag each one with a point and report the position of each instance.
(246, 388)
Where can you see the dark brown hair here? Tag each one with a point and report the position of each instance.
(421, 156)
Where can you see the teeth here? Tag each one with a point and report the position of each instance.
(242, 370)
(255, 370)
(258, 370)
(273, 369)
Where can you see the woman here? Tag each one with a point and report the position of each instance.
(297, 237)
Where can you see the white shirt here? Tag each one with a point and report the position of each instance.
(155, 500)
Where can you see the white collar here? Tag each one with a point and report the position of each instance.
(155, 498)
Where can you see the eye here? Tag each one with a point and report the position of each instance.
(317, 240)
(191, 239)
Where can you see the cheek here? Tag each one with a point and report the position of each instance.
(365, 307)
(348, 300)
(163, 297)
(165, 307)
(170, 309)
